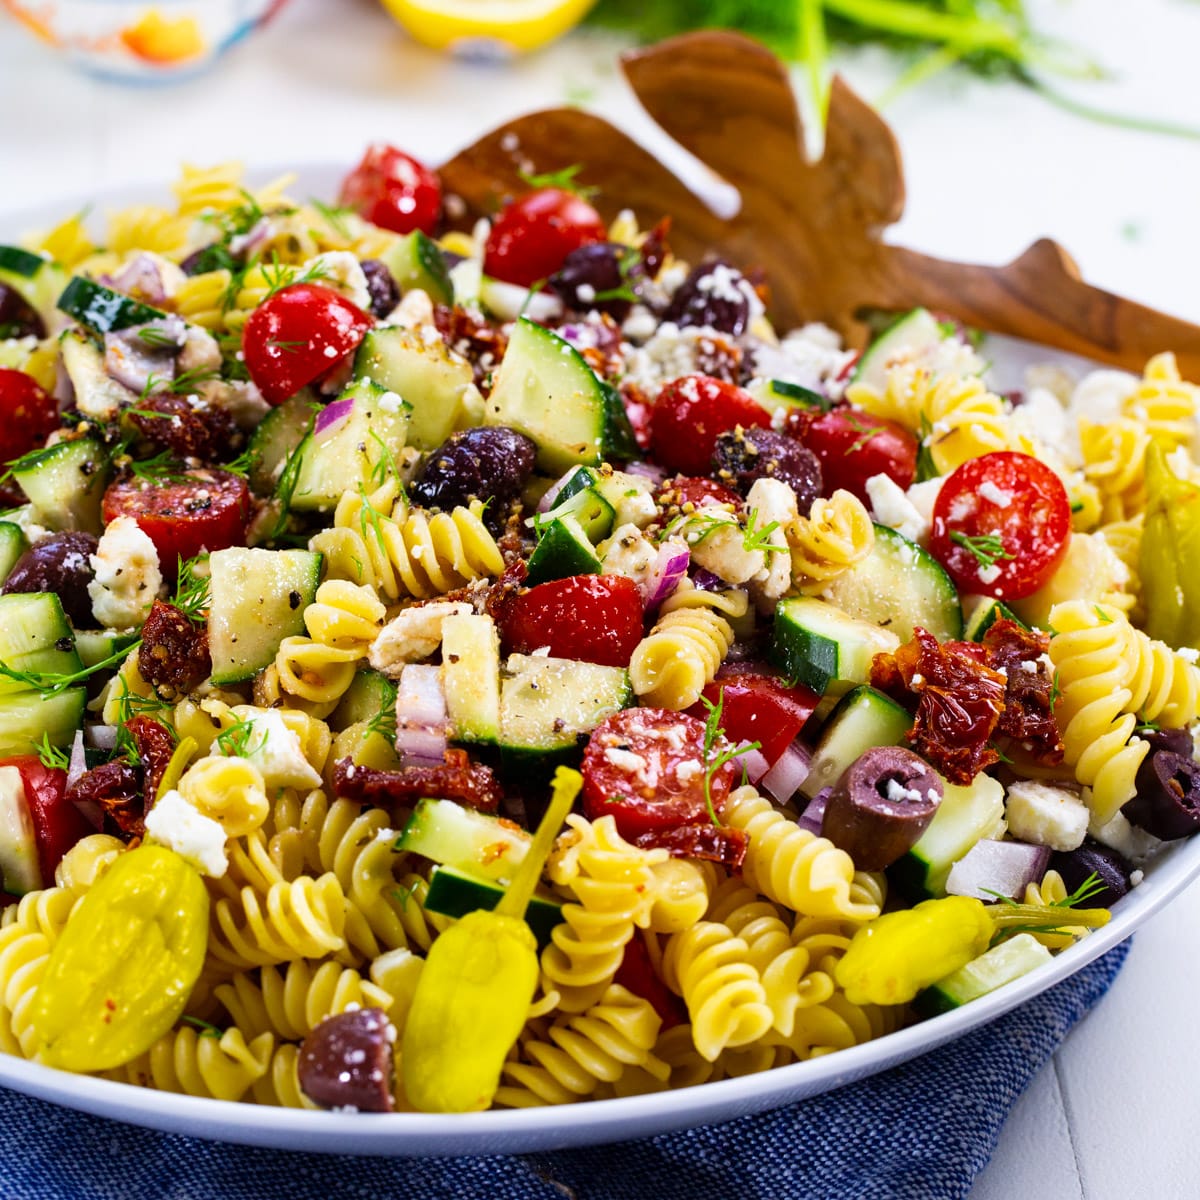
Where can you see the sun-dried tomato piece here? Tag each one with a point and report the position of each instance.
(117, 788)
(174, 652)
(155, 745)
(959, 701)
(185, 425)
(457, 778)
(471, 335)
(1028, 715)
(714, 843)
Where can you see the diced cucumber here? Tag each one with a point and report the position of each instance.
(65, 484)
(352, 455)
(22, 263)
(38, 281)
(563, 549)
(19, 865)
(863, 718)
(258, 599)
(774, 394)
(97, 395)
(588, 507)
(985, 614)
(991, 970)
(35, 636)
(914, 335)
(13, 543)
(282, 430)
(470, 841)
(416, 261)
(454, 894)
(545, 388)
(899, 586)
(547, 704)
(103, 310)
(368, 695)
(28, 717)
(620, 442)
(965, 815)
(471, 677)
(425, 374)
(95, 645)
(820, 645)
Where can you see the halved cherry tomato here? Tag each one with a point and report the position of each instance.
(534, 234)
(696, 490)
(852, 446)
(758, 706)
(394, 191)
(299, 334)
(691, 412)
(1001, 524)
(57, 822)
(646, 766)
(637, 973)
(590, 618)
(28, 414)
(206, 509)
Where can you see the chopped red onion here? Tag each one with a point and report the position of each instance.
(646, 470)
(247, 243)
(78, 763)
(508, 302)
(104, 737)
(814, 814)
(706, 581)
(670, 566)
(332, 417)
(546, 503)
(790, 770)
(133, 360)
(141, 274)
(752, 762)
(421, 715)
(420, 745)
(1004, 867)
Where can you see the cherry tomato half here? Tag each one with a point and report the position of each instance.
(206, 509)
(637, 973)
(57, 822)
(297, 335)
(1001, 524)
(534, 234)
(758, 706)
(646, 766)
(590, 618)
(691, 412)
(28, 414)
(852, 446)
(394, 191)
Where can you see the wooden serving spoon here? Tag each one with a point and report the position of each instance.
(815, 227)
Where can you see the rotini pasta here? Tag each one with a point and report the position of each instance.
(201, 1063)
(836, 534)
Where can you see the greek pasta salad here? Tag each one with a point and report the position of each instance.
(446, 669)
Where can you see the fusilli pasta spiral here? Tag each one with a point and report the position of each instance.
(836, 534)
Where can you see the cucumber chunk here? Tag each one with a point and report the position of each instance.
(991, 970)
(822, 646)
(563, 549)
(985, 614)
(368, 695)
(914, 335)
(586, 506)
(103, 310)
(16, 261)
(776, 394)
(965, 815)
(18, 843)
(471, 842)
(471, 677)
(97, 395)
(95, 645)
(258, 599)
(863, 718)
(282, 430)
(35, 636)
(353, 455)
(27, 717)
(545, 388)
(899, 586)
(416, 261)
(431, 379)
(454, 894)
(65, 484)
(13, 543)
(38, 281)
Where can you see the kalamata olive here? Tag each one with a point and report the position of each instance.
(381, 286)
(1167, 801)
(1111, 869)
(590, 274)
(713, 295)
(881, 806)
(1177, 741)
(17, 318)
(743, 455)
(488, 463)
(58, 563)
(346, 1061)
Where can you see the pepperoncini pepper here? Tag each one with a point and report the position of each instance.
(1169, 560)
(897, 955)
(477, 985)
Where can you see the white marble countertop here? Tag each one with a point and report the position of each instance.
(989, 167)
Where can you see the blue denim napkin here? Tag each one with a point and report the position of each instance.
(921, 1131)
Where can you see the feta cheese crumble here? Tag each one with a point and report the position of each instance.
(174, 823)
(127, 578)
(276, 751)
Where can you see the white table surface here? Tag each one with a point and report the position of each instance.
(989, 169)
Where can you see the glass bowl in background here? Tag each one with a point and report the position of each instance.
(142, 41)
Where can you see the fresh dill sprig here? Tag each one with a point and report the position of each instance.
(236, 740)
(53, 757)
(712, 735)
(755, 538)
(987, 548)
(192, 590)
(51, 683)
(285, 488)
(206, 1028)
(386, 465)
(335, 218)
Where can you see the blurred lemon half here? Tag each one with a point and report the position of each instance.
(488, 28)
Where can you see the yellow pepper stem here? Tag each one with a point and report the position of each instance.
(1032, 917)
(176, 767)
(566, 787)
